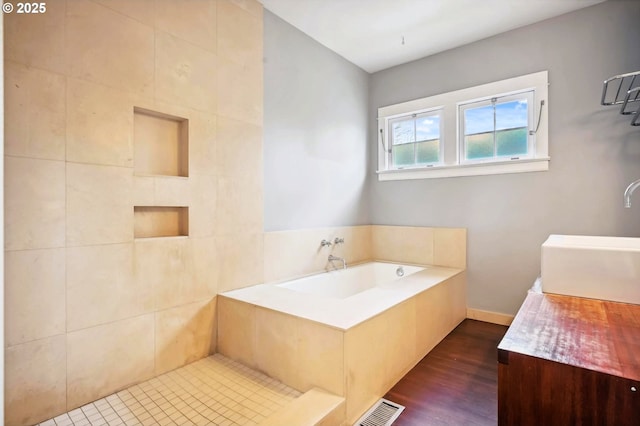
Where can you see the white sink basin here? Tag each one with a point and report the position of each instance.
(606, 268)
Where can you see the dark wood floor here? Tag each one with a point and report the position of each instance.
(456, 383)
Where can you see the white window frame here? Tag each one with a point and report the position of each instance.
(452, 163)
(414, 114)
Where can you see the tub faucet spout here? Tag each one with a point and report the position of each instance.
(332, 258)
(629, 191)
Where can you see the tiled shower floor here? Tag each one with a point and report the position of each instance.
(212, 391)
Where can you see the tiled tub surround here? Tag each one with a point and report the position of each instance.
(357, 347)
(296, 253)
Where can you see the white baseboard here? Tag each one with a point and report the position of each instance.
(487, 316)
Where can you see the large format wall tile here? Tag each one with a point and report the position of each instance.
(183, 335)
(103, 359)
(171, 191)
(362, 357)
(143, 11)
(190, 20)
(143, 190)
(185, 74)
(239, 148)
(239, 34)
(205, 266)
(321, 355)
(34, 113)
(239, 92)
(101, 287)
(34, 294)
(35, 381)
(237, 330)
(432, 316)
(203, 212)
(403, 244)
(106, 47)
(400, 341)
(202, 143)
(357, 245)
(304, 255)
(277, 349)
(37, 40)
(450, 247)
(34, 203)
(438, 311)
(239, 208)
(99, 206)
(99, 124)
(240, 261)
(254, 7)
(168, 267)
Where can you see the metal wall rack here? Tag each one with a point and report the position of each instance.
(624, 89)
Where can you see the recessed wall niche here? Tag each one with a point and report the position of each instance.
(161, 144)
(152, 221)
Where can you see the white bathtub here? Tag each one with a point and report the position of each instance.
(341, 284)
(344, 298)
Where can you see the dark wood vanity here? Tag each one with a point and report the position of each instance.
(570, 361)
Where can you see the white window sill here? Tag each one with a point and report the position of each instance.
(476, 169)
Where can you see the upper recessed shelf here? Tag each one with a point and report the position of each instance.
(161, 144)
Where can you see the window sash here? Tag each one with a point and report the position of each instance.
(416, 142)
(463, 146)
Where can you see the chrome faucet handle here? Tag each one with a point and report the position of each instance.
(338, 241)
(325, 243)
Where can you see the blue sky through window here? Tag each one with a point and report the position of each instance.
(426, 128)
(509, 115)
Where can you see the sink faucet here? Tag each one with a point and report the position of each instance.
(629, 191)
(341, 259)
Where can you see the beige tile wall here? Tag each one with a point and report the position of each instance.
(421, 245)
(291, 254)
(90, 309)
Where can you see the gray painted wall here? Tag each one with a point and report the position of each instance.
(594, 152)
(315, 133)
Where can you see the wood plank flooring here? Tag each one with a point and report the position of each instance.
(456, 383)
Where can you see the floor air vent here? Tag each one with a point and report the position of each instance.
(383, 413)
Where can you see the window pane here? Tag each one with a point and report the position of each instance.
(403, 132)
(403, 155)
(415, 140)
(479, 146)
(478, 120)
(428, 152)
(427, 128)
(511, 115)
(512, 142)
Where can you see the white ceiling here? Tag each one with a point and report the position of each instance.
(369, 33)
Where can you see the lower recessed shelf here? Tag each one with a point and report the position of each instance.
(153, 221)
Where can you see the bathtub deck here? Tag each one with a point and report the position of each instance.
(456, 383)
(337, 312)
